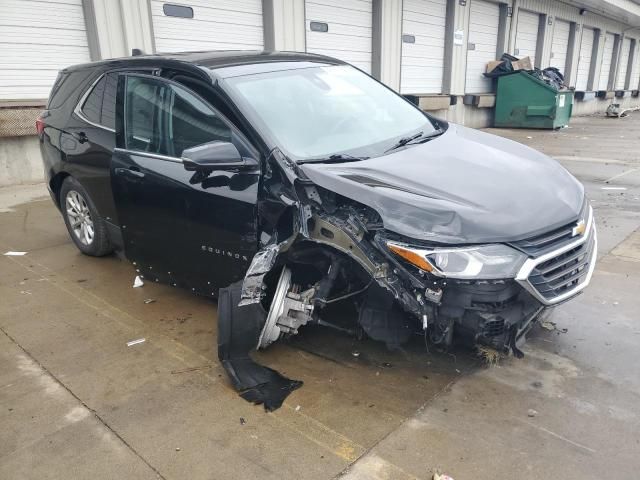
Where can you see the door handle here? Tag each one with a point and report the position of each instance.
(129, 172)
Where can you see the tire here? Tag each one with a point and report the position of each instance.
(86, 227)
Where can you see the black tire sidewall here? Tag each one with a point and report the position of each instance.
(100, 245)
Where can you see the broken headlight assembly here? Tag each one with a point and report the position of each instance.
(480, 262)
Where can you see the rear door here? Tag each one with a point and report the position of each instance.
(178, 227)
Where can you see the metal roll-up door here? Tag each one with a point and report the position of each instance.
(560, 45)
(484, 23)
(37, 39)
(423, 31)
(623, 64)
(607, 58)
(634, 84)
(527, 34)
(181, 26)
(584, 59)
(341, 29)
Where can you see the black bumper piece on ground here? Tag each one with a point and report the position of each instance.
(238, 332)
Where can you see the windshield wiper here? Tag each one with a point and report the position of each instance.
(413, 139)
(335, 158)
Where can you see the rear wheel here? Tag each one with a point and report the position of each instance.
(85, 226)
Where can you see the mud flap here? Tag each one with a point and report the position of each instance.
(238, 332)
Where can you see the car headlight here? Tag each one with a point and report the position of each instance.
(480, 262)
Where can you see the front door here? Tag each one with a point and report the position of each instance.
(180, 227)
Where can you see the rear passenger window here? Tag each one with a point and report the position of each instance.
(167, 119)
(93, 104)
(100, 105)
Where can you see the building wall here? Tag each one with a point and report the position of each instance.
(113, 28)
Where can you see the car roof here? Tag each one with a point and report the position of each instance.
(221, 60)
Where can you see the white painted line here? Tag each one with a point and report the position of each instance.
(621, 175)
(15, 254)
(136, 342)
(613, 188)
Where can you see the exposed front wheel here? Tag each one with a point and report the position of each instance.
(86, 228)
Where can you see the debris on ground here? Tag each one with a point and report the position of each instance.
(489, 355)
(531, 412)
(149, 300)
(14, 254)
(355, 353)
(242, 421)
(136, 342)
(191, 369)
(298, 408)
(137, 282)
(552, 327)
(441, 476)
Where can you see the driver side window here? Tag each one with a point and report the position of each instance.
(167, 119)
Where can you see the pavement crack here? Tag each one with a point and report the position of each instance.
(79, 400)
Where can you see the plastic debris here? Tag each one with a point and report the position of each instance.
(137, 282)
(441, 476)
(149, 300)
(531, 412)
(355, 353)
(547, 325)
(14, 254)
(242, 421)
(136, 342)
(298, 408)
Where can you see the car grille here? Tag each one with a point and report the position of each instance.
(563, 273)
(564, 270)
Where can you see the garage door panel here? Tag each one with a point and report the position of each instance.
(527, 34)
(349, 34)
(484, 19)
(336, 42)
(607, 59)
(219, 25)
(635, 72)
(422, 61)
(560, 44)
(37, 39)
(584, 58)
(623, 65)
(339, 16)
(212, 15)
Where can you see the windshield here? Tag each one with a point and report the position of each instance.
(321, 111)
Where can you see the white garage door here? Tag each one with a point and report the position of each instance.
(484, 21)
(635, 72)
(527, 35)
(584, 60)
(560, 45)
(37, 39)
(423, 27)
(340, 29)
(607, 58)
(623, 64)
(206, 25)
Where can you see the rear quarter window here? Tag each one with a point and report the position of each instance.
(65, 88)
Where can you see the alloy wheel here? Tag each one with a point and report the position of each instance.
(79, 217)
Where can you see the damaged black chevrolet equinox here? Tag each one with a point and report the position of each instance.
(282, 183)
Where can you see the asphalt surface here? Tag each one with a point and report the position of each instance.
(77, 402)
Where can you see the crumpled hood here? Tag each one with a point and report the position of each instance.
(465, 186)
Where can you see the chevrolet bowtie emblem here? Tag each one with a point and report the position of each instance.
(579, 229)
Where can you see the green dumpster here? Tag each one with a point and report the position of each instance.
(523, 101)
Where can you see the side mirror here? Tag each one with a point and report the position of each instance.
(215, 156)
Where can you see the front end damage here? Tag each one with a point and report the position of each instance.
(318, 248)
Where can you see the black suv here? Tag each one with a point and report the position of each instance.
(285, 182)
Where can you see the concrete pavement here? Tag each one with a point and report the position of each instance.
(76, 402)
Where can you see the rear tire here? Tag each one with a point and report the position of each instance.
(86, 227)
